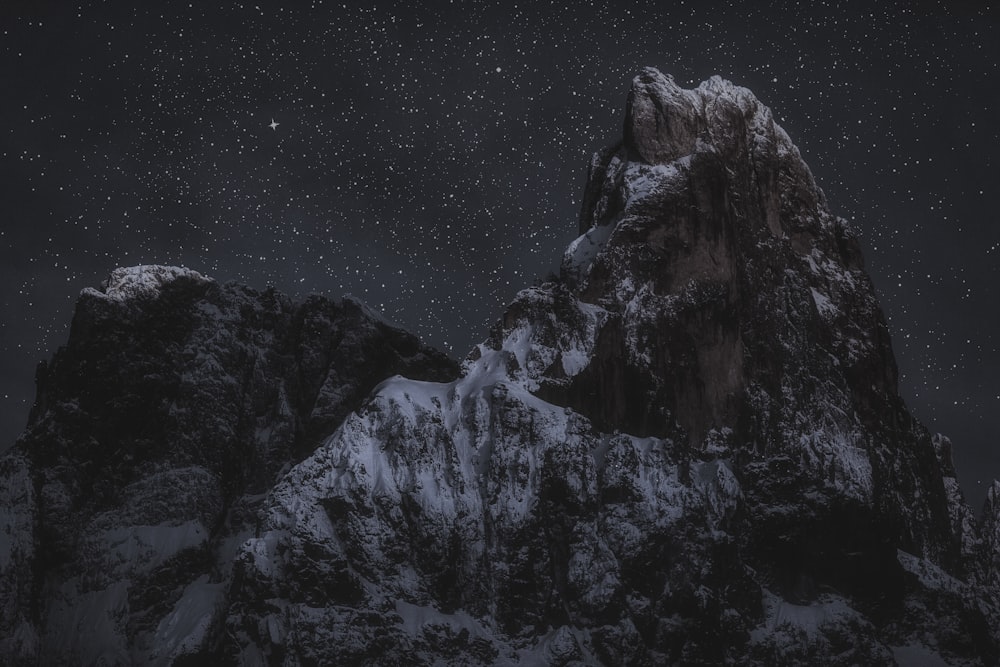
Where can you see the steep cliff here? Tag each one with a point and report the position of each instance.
(688, 449)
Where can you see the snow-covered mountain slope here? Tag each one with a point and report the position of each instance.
(156, 432)
(689, 449)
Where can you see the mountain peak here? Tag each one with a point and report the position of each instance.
(688, 448)
(144, 281)
(665, 122)
(696, 171)
(661, 118)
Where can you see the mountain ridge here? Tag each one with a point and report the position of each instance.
(689, 448)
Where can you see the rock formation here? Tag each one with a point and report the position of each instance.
(688, 449)
(155, 435)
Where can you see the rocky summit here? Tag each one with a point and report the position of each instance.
(688, 449)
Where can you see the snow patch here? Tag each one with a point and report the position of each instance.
(929, 574)
(643, 180)
(143, 548)
(580, 254)
(574, 360)
(185, 628)
(415, 617)
(143, 281)
(917, 655)
(807, 619)
(825, 307)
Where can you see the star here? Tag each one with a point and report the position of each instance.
(273, 125)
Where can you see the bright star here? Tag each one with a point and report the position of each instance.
(273, 125)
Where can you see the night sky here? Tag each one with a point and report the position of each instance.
(429, 158)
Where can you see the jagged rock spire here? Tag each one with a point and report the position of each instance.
(662, 120)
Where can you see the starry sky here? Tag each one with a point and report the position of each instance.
(429, 157)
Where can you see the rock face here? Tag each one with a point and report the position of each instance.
(689, 449)
(155, 435)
